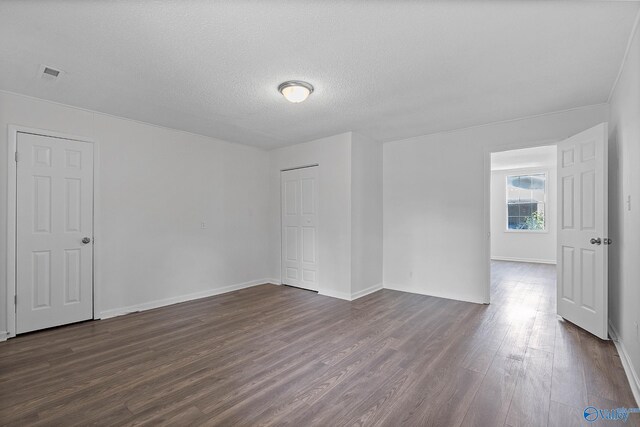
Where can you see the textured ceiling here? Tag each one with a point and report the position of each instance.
(387, 69)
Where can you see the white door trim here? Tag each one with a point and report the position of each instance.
(13, 131)
(486, 208)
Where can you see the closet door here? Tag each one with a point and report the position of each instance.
(299, 193)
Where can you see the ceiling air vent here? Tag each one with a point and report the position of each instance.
(50, 73)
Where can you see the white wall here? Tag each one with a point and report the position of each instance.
(435, 241)
(522, 245)
(157, 185)
(624, 223)
(366, 215)
(333, 155)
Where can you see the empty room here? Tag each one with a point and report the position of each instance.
(319, 213)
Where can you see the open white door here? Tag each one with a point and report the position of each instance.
(582, 231)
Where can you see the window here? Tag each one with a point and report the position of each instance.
(525, 202)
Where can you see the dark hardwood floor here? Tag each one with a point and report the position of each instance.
(278, 355)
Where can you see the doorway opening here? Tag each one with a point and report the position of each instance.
(523, 211)
(533, 207)
(523, 231)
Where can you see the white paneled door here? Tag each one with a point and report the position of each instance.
(300, 227)
(54, 281)
(582, 231)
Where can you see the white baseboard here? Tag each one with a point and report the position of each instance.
(632, 375)
(106, 314)
(273, 281)
(403, 288)
(4, 335)
(367, 291)
(349, 297)
(533, 260)
(335, 294)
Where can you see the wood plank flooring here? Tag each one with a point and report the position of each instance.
(274, 355)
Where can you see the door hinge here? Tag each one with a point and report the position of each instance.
(16, 157)
(15, 302)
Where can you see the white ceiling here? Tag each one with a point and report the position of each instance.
(534, 157)
(387, 69)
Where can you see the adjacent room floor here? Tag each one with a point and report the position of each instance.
(279, 355)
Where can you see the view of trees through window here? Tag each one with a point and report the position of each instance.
(525, 202)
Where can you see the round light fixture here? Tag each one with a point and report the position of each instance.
(295, 91)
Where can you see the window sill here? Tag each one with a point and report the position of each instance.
(545, 231)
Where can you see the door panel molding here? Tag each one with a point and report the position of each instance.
(11, 245)
(486, 208)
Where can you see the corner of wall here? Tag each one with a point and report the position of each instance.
(624, 223)
(366, 215)
(627, 363)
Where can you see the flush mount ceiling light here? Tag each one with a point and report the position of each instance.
(295, 91)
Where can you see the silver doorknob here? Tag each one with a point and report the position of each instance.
(596, 241)
(86, 240)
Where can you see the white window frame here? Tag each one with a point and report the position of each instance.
(522, 172)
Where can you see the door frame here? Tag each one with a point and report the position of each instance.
(310, 165)
(12, 194)
(486, 208)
